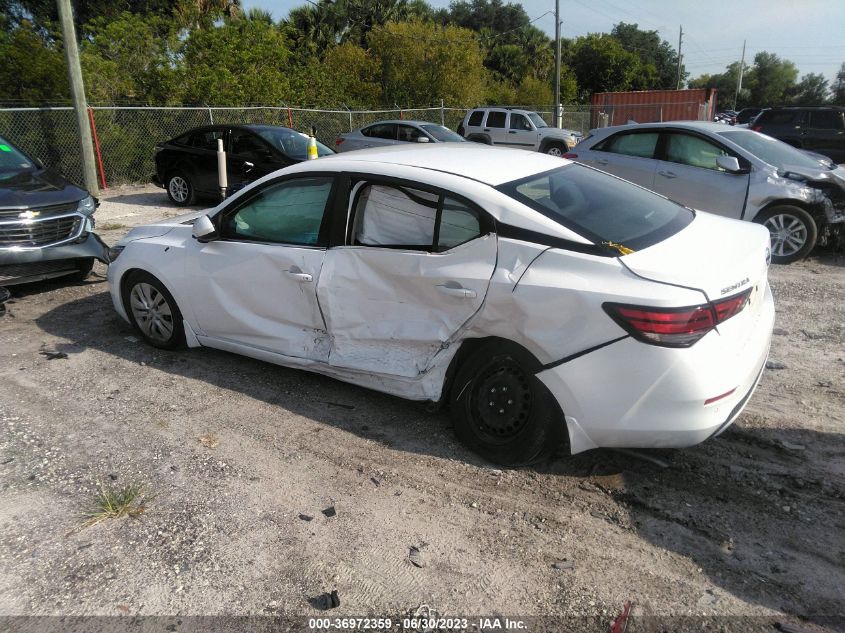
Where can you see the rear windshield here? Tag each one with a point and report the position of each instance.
(291, 142)
(600, 207)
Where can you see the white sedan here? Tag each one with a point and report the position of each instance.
(543, 301)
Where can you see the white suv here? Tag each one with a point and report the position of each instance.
(520, 129)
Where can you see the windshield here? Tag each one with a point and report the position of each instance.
(443, 134)
(600, 207)
(777, 153)
(294, 144)
(12, 161)
(537, 120)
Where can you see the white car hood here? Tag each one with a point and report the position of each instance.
(716, 255)
(160, 227)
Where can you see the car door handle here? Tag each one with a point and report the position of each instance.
(457, 291)
(296, 273)
(602, 161)
(511, 131)
(667, 174)
(487, 129)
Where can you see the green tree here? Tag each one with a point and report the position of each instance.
(239, 62)
(130, 58)
(422, 63)
(652, 51)
(725, 83)
(811, 90)
(771, 81)
(351, 73)
(838, 87)
(33, 68)
(601, 64)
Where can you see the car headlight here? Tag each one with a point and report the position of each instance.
(87, 205)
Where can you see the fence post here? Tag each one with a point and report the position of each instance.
(350, 116)
(210, 116)
(442, 114)
(97, 147)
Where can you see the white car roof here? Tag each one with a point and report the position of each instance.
(700, 126)
(490, 165)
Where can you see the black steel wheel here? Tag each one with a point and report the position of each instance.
(501, 410)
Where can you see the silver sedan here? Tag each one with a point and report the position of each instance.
(396, 132)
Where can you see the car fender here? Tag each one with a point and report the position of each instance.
(480, 138)
(549, 140)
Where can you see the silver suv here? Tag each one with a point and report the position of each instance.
(520, 129)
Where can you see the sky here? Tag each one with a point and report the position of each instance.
(811, 33)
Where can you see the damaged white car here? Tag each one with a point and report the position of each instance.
(543, 301)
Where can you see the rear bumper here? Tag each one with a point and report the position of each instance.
(633, 395)
(26, 266)
(156, 181)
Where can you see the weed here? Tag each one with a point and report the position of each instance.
(115, 502)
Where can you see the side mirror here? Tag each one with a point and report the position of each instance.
(38, 163)
(729, 164)
(204, 230)
(422, 139)
(247, 167)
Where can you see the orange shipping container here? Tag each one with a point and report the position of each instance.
(648, 106)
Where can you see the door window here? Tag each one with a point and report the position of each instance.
(475, 118)
(826, 120)
(382, 130)
(459, 223)
(247, 145)
(496, 118)
(206, 140)
(641, 144)
(289, 212)
(693, 151)
(408, 133)
(520, 122)
(402, 217)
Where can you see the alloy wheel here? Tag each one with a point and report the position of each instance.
(788, 234)
(151, 312)
(178, 188)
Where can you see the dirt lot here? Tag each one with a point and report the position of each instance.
(231, 451)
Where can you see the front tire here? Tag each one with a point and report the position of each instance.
(501, 410)
(180, 189)
(793, 232)
(153, 311)
(83, 269)
(556, 149)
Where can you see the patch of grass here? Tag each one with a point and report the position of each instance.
(111, 226)
(209, 440)
(115, 502)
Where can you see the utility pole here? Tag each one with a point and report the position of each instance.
(557, 63)
(77, 90)
(680, 57)
(739, 79)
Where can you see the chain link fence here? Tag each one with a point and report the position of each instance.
(127, 135)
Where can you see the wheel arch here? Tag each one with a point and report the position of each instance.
(480, 138)
(546, 142)
(815, 211)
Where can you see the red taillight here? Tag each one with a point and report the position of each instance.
(570, 156)
(338, 141)
(757, 128)
(675, 327)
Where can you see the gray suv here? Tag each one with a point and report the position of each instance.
(520, 129)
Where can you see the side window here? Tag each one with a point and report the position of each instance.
(826, 120)
(247, 144)
(520, 122)
(693, 151)
(408, 133)
(394, 216)
(495, 118)
(458, 224)
(288, 212)
(382, 130)
(641, 144)
(203, 140)
(783, 117)
(476, 118)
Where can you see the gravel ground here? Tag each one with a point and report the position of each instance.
(231, 454)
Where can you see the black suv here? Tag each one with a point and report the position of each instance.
(820, 130)
(46, 223)
(186, 166)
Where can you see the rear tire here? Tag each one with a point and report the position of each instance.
(152, 311)
(501, 410)
(180, 189)
(793, 232)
